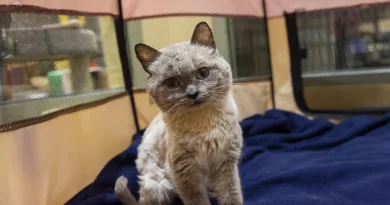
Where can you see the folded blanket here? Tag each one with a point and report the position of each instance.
(289, 160)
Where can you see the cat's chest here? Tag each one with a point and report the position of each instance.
(209, 147)
(210, 141)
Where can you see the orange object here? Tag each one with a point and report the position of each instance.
(93, 65)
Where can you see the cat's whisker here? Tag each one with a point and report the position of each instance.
(171, 103)
(178, 104)
(167, 105)
(222, 86)
(177, 111)
(170, 109)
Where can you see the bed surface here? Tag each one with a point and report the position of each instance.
(289, 160)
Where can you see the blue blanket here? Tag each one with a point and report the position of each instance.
(289, 160)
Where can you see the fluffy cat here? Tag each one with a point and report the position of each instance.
(195, 141)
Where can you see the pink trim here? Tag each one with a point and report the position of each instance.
(278, 7)
(136, 9)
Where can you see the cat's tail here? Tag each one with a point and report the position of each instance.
(123, 193)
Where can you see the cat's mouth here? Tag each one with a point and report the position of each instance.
(197, 103)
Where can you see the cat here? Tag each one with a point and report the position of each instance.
(195, 141)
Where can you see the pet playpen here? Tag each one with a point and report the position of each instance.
(71, 95)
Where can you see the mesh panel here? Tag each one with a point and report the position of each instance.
(249, 47)
(347, 67)
(50, 62)
(350, 39)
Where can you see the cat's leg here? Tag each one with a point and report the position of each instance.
(123, 192)
(151, 192)
(226, 182)
(188, 179)
(155, 188)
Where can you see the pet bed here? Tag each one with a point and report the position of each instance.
(288, 160)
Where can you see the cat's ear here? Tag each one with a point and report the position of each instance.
(146, 55)
(203, 35)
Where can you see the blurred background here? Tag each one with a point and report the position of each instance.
(50, 62)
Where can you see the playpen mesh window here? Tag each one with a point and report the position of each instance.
(50, 62)
(249, 47)
(348, 42)
(340, 59)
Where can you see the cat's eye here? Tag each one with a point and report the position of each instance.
(202, 73)
(172, 82)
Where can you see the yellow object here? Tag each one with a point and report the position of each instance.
(61, 65)
(82, 20)
(63, 19)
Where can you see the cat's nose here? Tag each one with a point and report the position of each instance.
(192, 92)
(193, 95)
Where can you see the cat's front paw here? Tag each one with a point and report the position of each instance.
(212, 194)
(123, 193)
(236, 200)
(121, 185)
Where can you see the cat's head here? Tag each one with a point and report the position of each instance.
(187, 75)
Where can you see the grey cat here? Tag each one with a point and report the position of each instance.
(195, 141)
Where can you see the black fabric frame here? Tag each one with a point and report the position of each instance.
(265, 18)
(121, 36)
